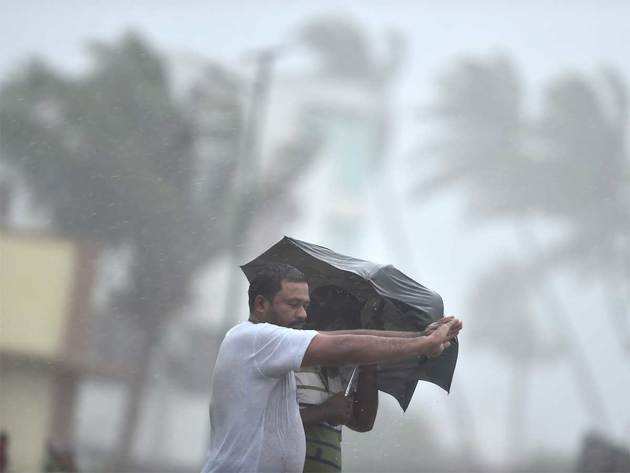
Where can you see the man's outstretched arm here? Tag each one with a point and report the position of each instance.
(334, 350)
(390, 333)
(365, 402)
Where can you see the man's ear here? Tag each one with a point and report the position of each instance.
(260, 304)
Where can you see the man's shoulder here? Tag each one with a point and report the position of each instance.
(249, 329)
(239, 333)
(269, 329)
(267, 335)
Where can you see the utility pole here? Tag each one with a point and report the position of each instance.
(248, 174)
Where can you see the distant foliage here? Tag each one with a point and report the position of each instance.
(117, 157)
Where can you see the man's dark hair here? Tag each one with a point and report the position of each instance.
(268, 281)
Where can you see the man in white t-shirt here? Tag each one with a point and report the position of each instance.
(254, 415)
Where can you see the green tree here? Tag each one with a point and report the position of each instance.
(345, 53)
(481, 133)
(583, 139)
(515, 169)
(478, 146)
(410, 444)
(119, 159)
(504, 307)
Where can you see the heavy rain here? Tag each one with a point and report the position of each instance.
(148, 149)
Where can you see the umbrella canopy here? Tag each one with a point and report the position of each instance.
(405, 305)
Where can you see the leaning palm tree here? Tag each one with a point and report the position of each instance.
(345, 53)
(342, 48)
(583, 138)
(110, 154)
(481, 133)
(502, 303)
(117, 157)
(486, 148)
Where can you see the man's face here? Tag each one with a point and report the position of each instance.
(288, 307)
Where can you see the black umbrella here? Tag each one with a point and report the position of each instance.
(404, 305)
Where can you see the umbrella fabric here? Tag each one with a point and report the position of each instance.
(405, 305)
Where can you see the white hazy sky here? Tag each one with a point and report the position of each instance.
(545, 36)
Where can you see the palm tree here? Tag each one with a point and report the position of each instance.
(480, 144)
(487, 148)
(583, 138)
(117, 158)
(111, 155)
(502, 303)
(346, 54)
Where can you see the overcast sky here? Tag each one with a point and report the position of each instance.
(545, 36)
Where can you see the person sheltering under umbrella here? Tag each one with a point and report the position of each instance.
(255, 422)
(327, 396)
(324, 406)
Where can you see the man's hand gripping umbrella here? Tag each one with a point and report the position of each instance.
(445, 329)
(440, 332)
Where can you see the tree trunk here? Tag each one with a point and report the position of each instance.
(123, 460)
(618, 301)
(395, 232)
(585, 381)
(516, 428)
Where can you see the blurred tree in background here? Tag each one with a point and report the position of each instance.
(117, 157)
(111, 155)
(399, 442)
(582, 134)
(482, 128)
(346, 53)
(505, 305)
(568, 167)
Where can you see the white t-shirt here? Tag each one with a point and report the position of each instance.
(255, 422)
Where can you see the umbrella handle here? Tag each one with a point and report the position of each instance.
(352, 381)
